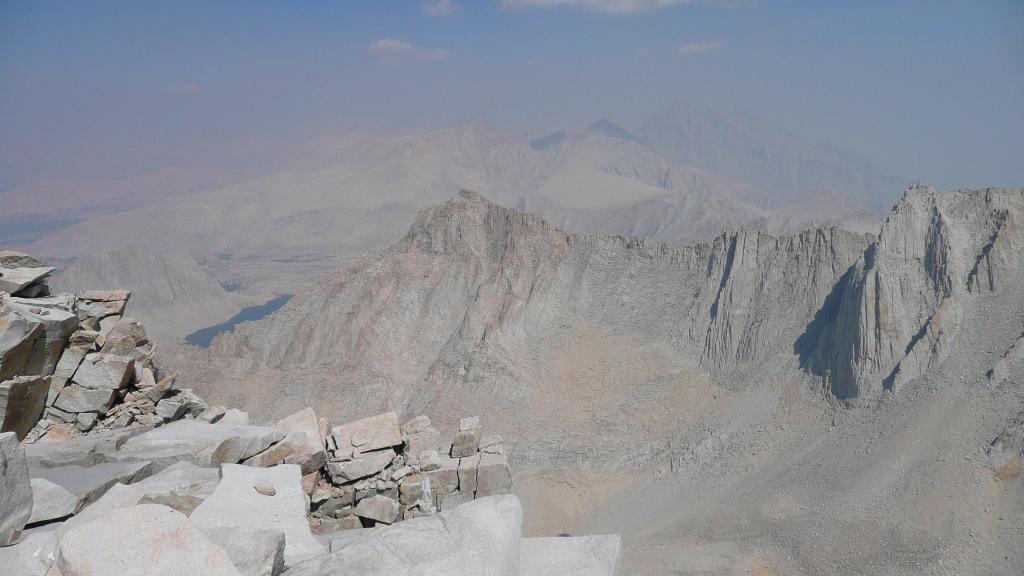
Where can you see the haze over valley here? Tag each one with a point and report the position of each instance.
(522, 288)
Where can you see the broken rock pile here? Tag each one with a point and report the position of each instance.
(72, 363)
(107, 468)
(378, 472)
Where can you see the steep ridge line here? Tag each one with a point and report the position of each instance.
(904, 304)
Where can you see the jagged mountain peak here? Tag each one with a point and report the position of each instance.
(606, 127)
(772, 161)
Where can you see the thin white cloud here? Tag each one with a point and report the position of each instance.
(188, 88)
(395, 50)
(611, 6)
(620, 6)
(438, 7)
(699, 47)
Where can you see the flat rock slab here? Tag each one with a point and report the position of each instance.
(95, 448)
(493, 476)
(33, 555)
(378, 508)
(201, 443)
(104, 372)
(118, 496)
(234, 417)
(369, 434)
(87, 484)
(105, 295)
(143, 540)
(17, 336)
(57, 326)
(15, 489)
(182, 486)
(22, 401)
(480, 538)
(255, 552)
(13, 280)
(75, 398)
(51, 501)
(15, 259)
(575, 556)
(365, 465)
(310, 456)
(262, 498)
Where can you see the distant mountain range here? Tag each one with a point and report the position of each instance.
(683, 177)
(735, 401)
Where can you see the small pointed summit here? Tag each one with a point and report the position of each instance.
(472, 196)
(605, 127)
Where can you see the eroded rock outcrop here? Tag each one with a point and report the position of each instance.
(897, 312)
(124, 473)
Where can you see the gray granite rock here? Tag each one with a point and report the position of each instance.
(57, 325)
(467, 439)
(366, 464)
(378, 508)
(14, 280)
(117, 496)
(22, 401)
(15, 259)
(480, 538)
(15, 489)
(369, 434)
(105, 295)
(254, 551)
(575, 556)
(75, 398)
(171, 408)
(33, 555)
(51, 501)
(17, 337)
(278, 452)
(493, 476)
(143, 540)
(452, 500)
(86, 421)
(69, 361)
(468, 468)
(237, 503)
(310, 456)
(414, 489)
(99, 310)
(88, 484)
(104, 372)
(97, 447)
(443, 479)
(234, 417)
(203, 444)
(182, 486)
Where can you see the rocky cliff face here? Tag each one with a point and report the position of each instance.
(941, 261)
(485, 299)
(766, 159)
(170, 292)
(723, 303)
(106, 467)
(484, 308)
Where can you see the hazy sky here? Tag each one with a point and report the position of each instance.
(932, 89)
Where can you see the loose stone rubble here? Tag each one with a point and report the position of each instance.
(106, 466)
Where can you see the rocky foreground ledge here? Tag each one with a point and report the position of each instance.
(107, 467)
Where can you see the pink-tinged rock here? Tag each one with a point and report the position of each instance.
(143, 540)
(310, 455)
(369, 434)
